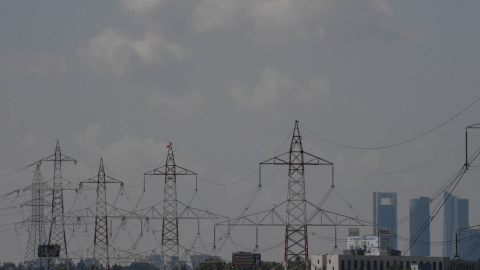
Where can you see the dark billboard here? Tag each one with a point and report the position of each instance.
(246, 260)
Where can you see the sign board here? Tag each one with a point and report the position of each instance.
(246, 260)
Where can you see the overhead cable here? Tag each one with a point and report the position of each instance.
(394, 144)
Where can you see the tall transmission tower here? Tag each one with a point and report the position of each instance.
(170, 243)
(56, 237)
(296, 235)
(36, 222)
(297, 220)
(100, 245)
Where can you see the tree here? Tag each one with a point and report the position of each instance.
(267, 265)
(213, 265)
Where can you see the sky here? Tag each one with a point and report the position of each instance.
(224, 82)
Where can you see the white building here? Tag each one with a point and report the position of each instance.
(359, 262)
(369, 244)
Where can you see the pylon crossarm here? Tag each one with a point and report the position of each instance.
(178, 171)
(41, 202)
(278, 160)
(116, 212)
(264, 218)
(308, 159)
(94, 180)
(194, 213)
(76, 221)
(38, 187)
(151, 212)
(328, 218)
(474, 126)
(52, 158)
(86, 212)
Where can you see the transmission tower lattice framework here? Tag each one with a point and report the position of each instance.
(170, 236)
(296, 235)
(57, 223)
(100, 243)
(36, 222)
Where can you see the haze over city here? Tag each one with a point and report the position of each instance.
(381, 89)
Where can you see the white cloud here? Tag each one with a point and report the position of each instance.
(88, 140)
(128, 156)
(113, 51)
(278, 18)
(139, 7)
(275, 87)
(217, 15)
(39, 63)
(189, 105)
(313, 93)
(383, 7)
(273, 84)
(286, 19)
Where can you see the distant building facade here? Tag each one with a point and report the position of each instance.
(455, 217)
(385, 219)
(420, 226)
(358, 262)
(469, 244)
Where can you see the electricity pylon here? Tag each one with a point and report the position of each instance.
(36, 222)
(296, 235)
(100, 243)
(170, 243)
(297, 219)
(56, 237)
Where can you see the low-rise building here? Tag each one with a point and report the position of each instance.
(359, 262)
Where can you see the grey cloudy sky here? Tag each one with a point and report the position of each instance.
(224, 81)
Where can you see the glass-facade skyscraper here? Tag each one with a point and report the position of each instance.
(455, 217)
(469, 244)
(420, 226)
(385, 218)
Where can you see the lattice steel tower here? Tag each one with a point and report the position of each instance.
(100, 243)
(296, 235)
(36, 222)
(170, 243)
(57, 226)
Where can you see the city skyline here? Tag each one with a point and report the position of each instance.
(382, 89)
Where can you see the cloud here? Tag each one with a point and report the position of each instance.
(278, 18)
(276, 88)
(40, 63)
(217, 15)
(139, 7)
(176, 108)
(115, 52)
(300, 19)
(128, 156)
(267, 92)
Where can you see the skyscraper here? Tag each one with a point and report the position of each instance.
(455, 217)
(469, 244)
(420, 227)
(385, 218)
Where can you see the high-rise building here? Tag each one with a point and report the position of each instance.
(469, 244)
(385, 218)
(455, 217)
(420, 226)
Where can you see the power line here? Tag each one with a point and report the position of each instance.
(394, 144)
